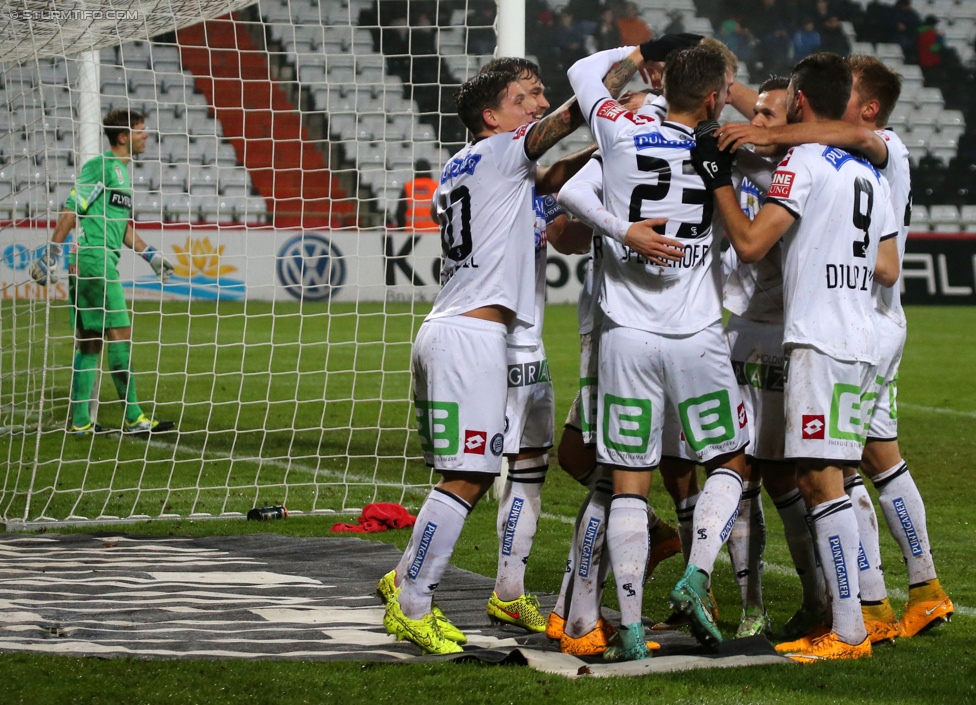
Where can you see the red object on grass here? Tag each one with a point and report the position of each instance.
(378, 517)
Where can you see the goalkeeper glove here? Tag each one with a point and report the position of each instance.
(713, 165)
(160, 265)
(658, 49)
(43, 269)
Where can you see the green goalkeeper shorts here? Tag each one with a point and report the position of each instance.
(97, 303)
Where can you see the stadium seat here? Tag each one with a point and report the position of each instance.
(967, 216)
(920, 218)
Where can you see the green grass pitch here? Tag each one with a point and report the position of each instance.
(290, 394)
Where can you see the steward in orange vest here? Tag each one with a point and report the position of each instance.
(413, 212)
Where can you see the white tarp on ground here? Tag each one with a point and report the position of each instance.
(271, 265)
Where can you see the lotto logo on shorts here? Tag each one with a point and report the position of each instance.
(813, 427)
(782, 184)
(742, 415)
(475, 442)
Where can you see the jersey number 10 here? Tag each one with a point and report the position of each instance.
(450, 250)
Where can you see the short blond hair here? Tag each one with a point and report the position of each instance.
(731, 61)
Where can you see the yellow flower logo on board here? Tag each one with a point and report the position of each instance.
(198, 257)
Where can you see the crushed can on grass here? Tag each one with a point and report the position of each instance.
(266, 513)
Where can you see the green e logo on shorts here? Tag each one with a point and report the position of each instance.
(438, 427)
(626, 424)
(707, 419)
(587, 404)
(850, 413)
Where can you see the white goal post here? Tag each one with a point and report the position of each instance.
(281, 134)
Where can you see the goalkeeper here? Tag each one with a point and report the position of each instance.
(102, 201)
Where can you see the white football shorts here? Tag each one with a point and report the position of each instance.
(828, 406)
(531, 406)
(758, 363)
(582, 412)
(643, 374)
(891, 342)
(459, 389)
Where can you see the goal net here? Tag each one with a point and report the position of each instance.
(281, 135)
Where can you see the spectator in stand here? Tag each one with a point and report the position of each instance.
(677, 23)
(931, 43)
(413, 212)
(608, 33)
(773, 24)
(633, 30)
(586, 16)
(904, 27)
(570, 41)
(833, 37)
(806, 40)
(481, 32)
(739, 41)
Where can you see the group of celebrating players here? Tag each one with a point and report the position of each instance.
(796, 392)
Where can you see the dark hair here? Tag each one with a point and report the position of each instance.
(774, 83)
(523, 68)
(120, 121)
(481, 91)
(691, 75)
(875, 81)
(421, 166)
(825, 80)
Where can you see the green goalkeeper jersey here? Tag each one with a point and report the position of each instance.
(102, 198)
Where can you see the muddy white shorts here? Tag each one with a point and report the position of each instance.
(757, 360)
(459, 369)
(891, 342)
(531, 407)
(642, 374)
(828, 406)
(582, 412)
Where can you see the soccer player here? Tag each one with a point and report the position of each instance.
(530, 405)
(661, 345)
(576, 621)
(484, 205)
(102, 202)
(833, 211)
(875, 92)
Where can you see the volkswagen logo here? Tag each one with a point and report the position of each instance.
(310, 267)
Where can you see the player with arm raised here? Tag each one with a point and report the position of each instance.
(658, 319)
(833, 211)
(484, 205)
(530, 405)
(102, 202)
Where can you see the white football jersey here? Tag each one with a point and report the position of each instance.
(648, 173)
(546, 210)
(755, 290)
(843, 210)
(888, 299)
(484, 206)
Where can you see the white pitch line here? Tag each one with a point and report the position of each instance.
(937, 410)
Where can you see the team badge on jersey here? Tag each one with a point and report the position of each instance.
(782, 184)
(475, 442)
(813, 427)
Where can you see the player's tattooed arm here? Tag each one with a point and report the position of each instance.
(569, 117)
(549, 179)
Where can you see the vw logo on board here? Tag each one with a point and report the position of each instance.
(310, 267)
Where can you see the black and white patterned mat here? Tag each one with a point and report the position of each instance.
(263, 596)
